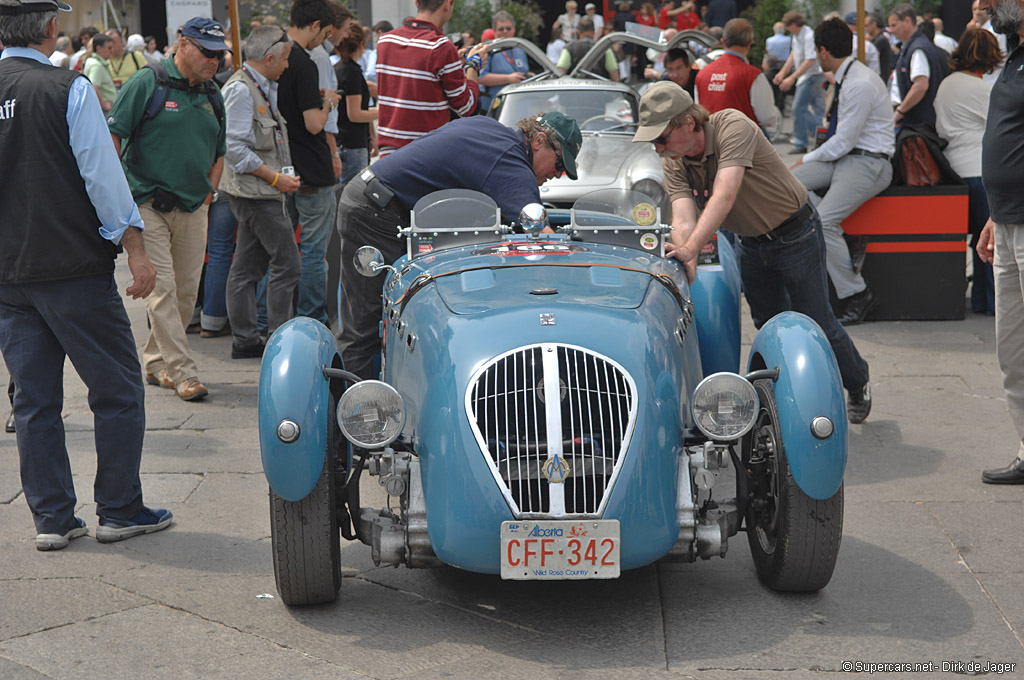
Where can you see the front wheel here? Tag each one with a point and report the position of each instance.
(305, 539)
(793, 538)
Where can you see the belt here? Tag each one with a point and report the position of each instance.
(306, 189)
(791, 224)
(869, 154)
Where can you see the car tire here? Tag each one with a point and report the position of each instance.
(305, 536)
(794, 539)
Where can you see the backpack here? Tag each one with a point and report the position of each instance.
(159, 98)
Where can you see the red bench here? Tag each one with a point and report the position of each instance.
(916, 254)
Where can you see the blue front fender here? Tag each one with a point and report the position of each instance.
(293, 386)
(716, 306)
(809, 385)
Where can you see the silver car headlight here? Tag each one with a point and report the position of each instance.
(651, 188)
(371, 414)
(724, 406)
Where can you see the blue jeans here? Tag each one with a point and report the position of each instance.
(808, 109)
(788, 273)
(352, 161)
(84, 319)
(220, 245)
(983, 287)
(316, 213)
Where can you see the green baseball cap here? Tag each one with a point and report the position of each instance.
(567, 132)
(662, 102)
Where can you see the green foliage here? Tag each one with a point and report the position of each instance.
(763, 16)
(475, 15)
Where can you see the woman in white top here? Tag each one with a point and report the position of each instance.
(961, 107)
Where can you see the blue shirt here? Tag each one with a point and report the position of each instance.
(477, 153)
(94, 149)
(778, 46)
(509, 61)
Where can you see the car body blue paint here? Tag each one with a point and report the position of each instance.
(809, 385)
(292, 386)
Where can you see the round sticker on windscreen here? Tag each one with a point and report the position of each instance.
(644, 214)
(648, 241)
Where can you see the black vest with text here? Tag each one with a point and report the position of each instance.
(49, 229)
(923, 112)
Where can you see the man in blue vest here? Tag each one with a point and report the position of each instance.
(916, 76)
(62, 302)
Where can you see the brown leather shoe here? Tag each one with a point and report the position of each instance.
(192, 389)
(161, 379)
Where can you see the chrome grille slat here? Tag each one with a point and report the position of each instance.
(509, 404)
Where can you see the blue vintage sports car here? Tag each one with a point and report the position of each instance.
(554, 406)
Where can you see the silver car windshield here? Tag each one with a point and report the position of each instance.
(593, 110)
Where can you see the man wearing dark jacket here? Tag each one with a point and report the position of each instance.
(918, 72)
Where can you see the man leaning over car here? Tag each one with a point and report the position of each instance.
(475, 153)
(724, 166)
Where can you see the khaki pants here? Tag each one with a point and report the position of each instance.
(176, 244)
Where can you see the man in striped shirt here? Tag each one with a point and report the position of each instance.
(421, 79)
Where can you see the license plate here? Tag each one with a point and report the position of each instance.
(560, 549)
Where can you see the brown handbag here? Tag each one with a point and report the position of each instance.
(919, 166)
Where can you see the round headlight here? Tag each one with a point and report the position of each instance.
(652, 189)
(724, 406)
(371, 414)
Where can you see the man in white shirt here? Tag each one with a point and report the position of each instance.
(870, 51)
(61, 56)
(801, 69)
(853, 164)
(915, 79)
(591, 10)
(941, 39)
(981, 19)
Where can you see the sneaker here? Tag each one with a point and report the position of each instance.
(145, 522)
(858, 404)
(192, 389)
(161, 379)
(60, 541)
(247, 351)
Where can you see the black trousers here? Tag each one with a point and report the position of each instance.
(360, 223)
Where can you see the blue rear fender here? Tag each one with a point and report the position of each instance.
(809, 385)
(293, 386)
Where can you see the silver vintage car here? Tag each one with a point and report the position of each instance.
(606, 112)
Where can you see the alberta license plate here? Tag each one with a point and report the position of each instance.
(560, 549)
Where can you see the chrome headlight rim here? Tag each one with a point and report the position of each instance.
(360, 395)
(722, 383)
(658, 188)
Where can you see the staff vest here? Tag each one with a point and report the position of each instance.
(245, 185)
(923, 112)
(725, 84)
(49, 229)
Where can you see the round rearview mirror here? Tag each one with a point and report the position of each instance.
(533, 218)
(368, 261)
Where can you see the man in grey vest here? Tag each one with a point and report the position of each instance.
(62, 302)
(257, 176)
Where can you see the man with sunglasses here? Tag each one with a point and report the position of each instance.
(478, 153)
(173, 161)
(722, 165)
(502, 68)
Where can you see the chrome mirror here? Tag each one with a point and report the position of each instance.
(369, 262)
(533, 218)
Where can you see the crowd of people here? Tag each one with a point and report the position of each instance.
(264, 172)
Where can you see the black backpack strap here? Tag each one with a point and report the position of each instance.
(156, 102)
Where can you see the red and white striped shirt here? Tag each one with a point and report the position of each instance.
(419, 80)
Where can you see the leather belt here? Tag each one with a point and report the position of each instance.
(306, 189)
(791, 224)
(869, 154)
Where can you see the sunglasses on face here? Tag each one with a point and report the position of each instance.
(663, 140)
(504, 29)
(559, 165)
(209, 54)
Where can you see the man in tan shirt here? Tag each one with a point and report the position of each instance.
(723, 166)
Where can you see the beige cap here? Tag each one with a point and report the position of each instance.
(662, 102)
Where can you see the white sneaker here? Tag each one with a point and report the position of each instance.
(60, 541)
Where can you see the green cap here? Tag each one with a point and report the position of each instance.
(662, 102)
(567, 132)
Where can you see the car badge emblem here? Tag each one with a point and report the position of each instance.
(644, 214)
(648, 241)
(556, 469)
(547, 319)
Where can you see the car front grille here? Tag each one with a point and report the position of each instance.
(554, 422)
